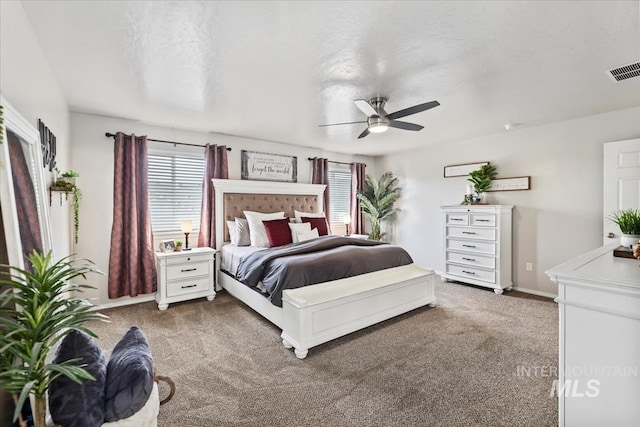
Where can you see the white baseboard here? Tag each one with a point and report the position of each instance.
(535, 292)
(124, 302)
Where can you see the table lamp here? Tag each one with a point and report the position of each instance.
(187, 226)
(347, 221)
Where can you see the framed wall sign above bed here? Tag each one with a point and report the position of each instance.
(269, 167)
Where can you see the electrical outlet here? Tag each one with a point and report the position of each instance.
(529, 266)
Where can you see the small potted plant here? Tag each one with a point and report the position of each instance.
(178, 245)
(629, 222)
(481, 180)
(69, 177)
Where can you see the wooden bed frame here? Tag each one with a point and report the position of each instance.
(313, 315)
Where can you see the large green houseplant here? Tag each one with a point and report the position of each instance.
(481, 179)
(377, 201)
(37, 310)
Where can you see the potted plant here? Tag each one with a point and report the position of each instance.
(178, 245)
(377, 201)
(67, 182)
(629, 222)
(481, 180)
(37, 312)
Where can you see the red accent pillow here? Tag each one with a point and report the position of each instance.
(319, 223)
(278, 232)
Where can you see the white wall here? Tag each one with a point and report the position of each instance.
(559, 218)
(27, 82)
(92, 157)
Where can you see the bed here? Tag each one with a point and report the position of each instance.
(312, 315)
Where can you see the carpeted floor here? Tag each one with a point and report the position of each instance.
(456, 364)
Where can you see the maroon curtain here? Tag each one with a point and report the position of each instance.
(25, 197)
(132, 268)
(215, 166)
(357, 184)
(320, 175)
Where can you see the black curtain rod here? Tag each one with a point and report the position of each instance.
(110, 135)
(333, 161)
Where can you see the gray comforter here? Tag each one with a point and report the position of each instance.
(316, 261)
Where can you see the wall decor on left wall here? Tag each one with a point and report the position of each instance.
(48, 146)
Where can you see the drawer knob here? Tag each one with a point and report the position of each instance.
(188, 259)
(469, 246)
(188, 269)
(468, 259)
(188, 286)
(468, 272)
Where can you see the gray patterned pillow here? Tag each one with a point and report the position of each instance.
(79, 405)
(129, 376)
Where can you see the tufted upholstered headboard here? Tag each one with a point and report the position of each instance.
(233, 197)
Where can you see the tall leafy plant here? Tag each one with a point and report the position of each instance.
(377, 201)
(481, 178)
(37, 310)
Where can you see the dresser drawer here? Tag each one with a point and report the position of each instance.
(457, 219)
(471, 246)
(188, 286)
(472, 260)
(472, 273)
(187, 270)
(483, 220)
(472, 233)
(187, 259)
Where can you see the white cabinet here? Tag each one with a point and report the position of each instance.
(185, 275)
(477, 245)
(599, 358)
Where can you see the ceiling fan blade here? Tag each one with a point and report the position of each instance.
(365, 107)
(364, 133)
(412, 110)
(346, 123)
(404, 125)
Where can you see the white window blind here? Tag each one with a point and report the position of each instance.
(175, 192)
(339, 194)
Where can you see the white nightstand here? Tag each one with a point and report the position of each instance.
(185, 275)
(359, 236)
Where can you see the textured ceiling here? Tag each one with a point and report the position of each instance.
(277, 70)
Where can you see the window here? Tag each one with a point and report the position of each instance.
(340, 197)
(175, 192)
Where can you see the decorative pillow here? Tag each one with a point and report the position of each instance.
(79, 405)
(129, 376)
(297, 229)
(278, 232)
(242, 236)
(257, 232)
(308, 235)
(231, 226)
(318, 223)
(299, 215)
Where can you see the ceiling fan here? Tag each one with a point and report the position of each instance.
(379, 121)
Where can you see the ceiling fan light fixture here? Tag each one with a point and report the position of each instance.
(378, 127)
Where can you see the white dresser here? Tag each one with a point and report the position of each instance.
(599, 358)
(477, 245)
(185, 275)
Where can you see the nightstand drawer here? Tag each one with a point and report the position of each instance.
(472, 233)
(472, 260)
(470, 272)
(183, 258)
(187, 270)
(483, 220)
(457, 219)
(471, 246)
(188, 286)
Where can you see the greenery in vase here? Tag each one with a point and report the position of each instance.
(377, 201)
(628, 220)
(481, 178)
(36, 312)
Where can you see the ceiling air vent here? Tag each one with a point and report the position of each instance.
(625, 72)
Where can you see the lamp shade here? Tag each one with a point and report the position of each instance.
(347, 219)
(187, 225)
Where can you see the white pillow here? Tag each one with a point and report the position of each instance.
(231, 225)
(257, 232)
(296, 229)
(299, 215)
(308, 235)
